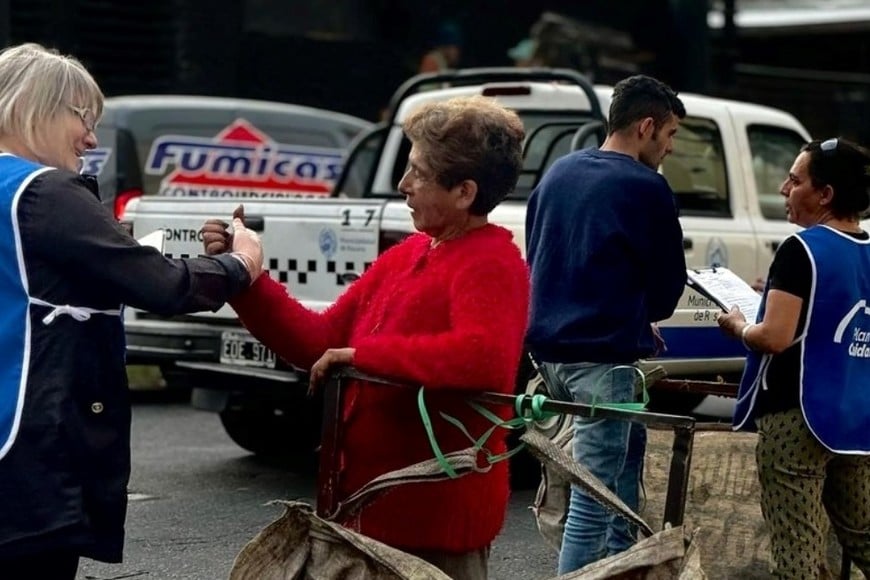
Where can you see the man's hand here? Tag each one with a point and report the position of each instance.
(216, 239)
(320, 370)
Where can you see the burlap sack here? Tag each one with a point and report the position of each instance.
(723, 501)
(671, 554)
(666, 555)
(554, 490)
(299, 544)
(302, 545)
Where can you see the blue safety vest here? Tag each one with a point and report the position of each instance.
(15, 175)
(835, 346)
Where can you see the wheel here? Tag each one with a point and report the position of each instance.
(525, 469)
(274, 429)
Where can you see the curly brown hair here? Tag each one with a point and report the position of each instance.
(472, 138)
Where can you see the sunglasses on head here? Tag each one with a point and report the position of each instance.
(829, 147)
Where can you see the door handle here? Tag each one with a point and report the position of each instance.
(688, 244)
(774, 245)
(349, 277)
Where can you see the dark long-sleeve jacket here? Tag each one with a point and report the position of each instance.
(66, 269)
(606, 257)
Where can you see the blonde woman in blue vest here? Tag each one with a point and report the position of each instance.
(66, 269)
(806, 386)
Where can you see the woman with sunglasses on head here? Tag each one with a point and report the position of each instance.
(806, 385)
(66, 269)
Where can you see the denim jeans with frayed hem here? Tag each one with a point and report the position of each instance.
(612, 450)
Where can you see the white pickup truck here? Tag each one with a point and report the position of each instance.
(728, 162)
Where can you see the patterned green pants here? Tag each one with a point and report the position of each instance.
(803, 487)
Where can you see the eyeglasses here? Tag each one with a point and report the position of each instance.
(87, 117)
(829, 147)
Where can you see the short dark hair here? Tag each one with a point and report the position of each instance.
(845, 166)
(638, 97)
(470, 138)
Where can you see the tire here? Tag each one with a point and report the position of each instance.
(283, 430)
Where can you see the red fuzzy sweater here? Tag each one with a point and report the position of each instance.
(451, 318)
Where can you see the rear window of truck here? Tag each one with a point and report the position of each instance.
(549, 136)
(773, 151)
(696, 169)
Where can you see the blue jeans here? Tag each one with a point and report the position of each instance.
(612, 450)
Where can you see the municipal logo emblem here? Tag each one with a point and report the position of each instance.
(328, 243)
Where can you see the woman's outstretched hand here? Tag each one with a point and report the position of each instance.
(732, 322)
(320, 369)
(243, 243)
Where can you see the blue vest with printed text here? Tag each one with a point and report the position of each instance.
(835, 346)
(15, 175)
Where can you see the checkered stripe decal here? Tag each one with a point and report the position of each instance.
(302, 268)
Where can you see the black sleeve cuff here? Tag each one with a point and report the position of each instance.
(238, 276)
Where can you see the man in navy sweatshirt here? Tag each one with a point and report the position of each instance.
(605, 250)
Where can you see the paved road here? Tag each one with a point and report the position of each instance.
(196, 498)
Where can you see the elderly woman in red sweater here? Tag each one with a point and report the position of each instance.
(447, 309)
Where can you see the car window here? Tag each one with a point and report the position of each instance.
(360, 165)
(696, 169)
(546, 141)
(773, 152)
(549, 136)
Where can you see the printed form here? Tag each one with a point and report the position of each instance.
(726, 289)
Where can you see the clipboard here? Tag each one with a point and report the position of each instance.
(726, 289)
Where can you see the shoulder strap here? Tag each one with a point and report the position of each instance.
(461, 462)
(547, 452)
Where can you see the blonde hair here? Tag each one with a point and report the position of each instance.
(38, 84)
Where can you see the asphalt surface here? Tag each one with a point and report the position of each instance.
(197, 498)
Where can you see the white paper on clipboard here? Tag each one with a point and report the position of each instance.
(726, 289)
(156, 239)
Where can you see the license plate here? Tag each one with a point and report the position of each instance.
(238, 348)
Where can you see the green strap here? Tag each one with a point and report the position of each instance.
(633, 407)
(533, 413)
(436, 449)
(478, 444)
